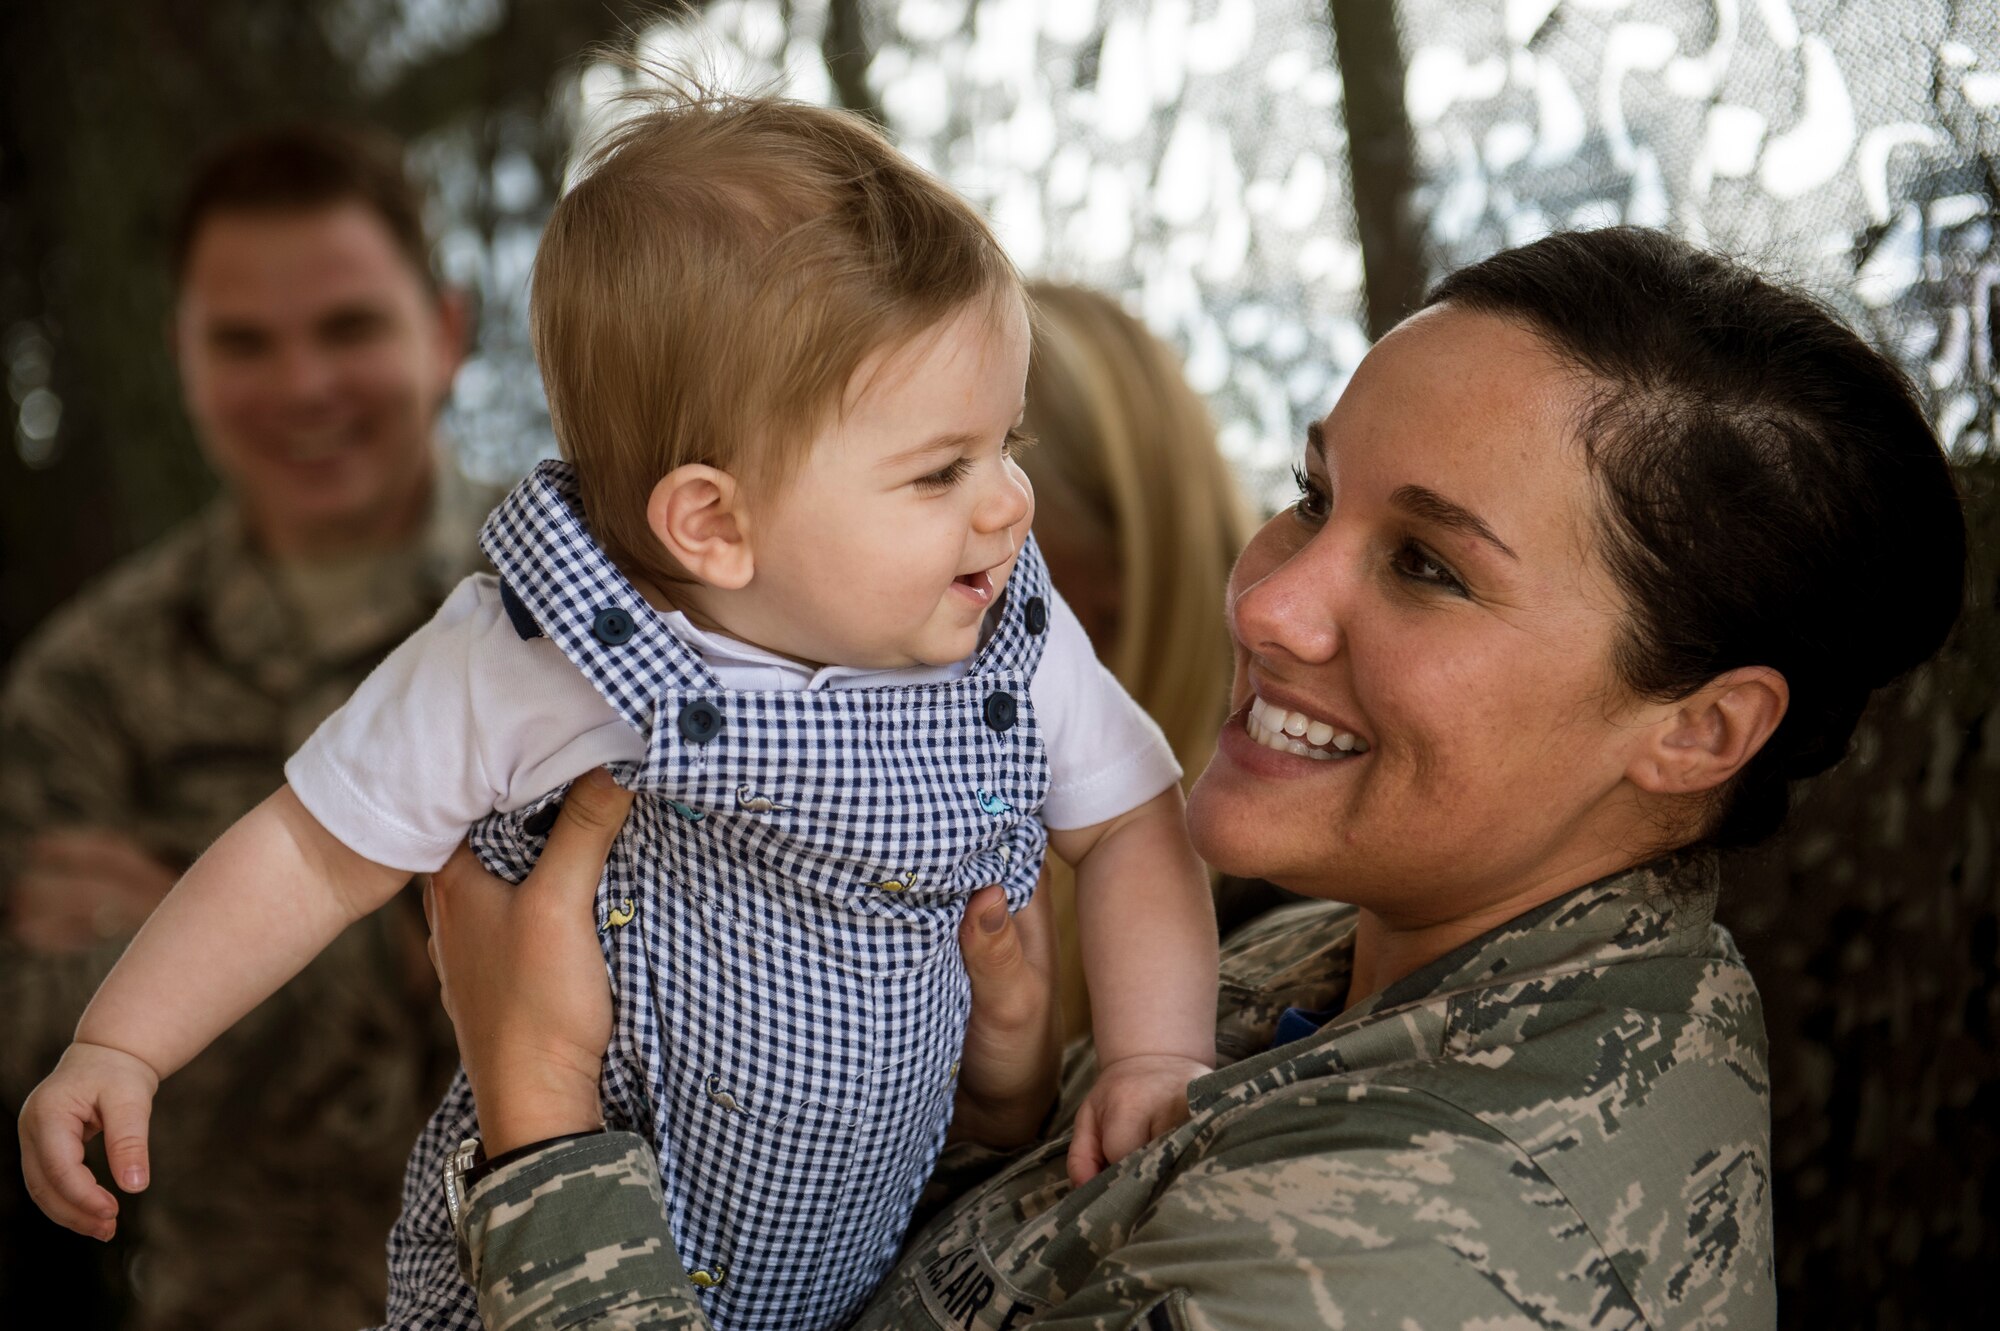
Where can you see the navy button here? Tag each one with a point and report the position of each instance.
(542, 820)
(1000, 710)
(699, 721)
(612, 627)
(1038, 614)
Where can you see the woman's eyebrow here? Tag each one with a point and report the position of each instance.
(1432, 507)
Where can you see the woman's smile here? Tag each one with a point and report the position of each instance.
(1301, 734)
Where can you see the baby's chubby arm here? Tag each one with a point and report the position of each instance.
(264, 900)
(1147, 923)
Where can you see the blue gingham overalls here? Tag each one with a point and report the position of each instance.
(779, 916)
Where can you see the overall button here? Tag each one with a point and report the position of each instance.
(1038, 614)
(612, 626)
(1000, 710)
(700, 721)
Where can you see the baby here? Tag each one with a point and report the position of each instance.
(783, 587)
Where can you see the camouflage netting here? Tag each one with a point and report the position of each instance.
(1190, 157)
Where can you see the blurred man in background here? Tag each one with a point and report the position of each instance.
(315, 349)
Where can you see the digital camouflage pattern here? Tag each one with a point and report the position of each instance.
(163, 703)
(1562, 1124)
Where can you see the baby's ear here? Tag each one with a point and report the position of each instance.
(1699, 743)
(697, 513)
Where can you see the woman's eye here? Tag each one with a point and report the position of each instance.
(1312, 504)
(945, 477)
(1416, 564)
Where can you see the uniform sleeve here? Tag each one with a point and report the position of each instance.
(575, 1237)
(1106, 755)
(63, 760)
(1409, 1213)
(63, 756)
(400, 772)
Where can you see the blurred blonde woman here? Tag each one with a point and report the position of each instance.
(1139, 519)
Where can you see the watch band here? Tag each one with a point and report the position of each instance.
(467, 1165)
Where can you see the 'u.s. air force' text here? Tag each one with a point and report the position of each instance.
(959, 1289)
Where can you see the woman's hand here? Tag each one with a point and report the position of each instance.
(523, 977)
(1013, 1043)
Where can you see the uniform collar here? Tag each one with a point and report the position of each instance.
(1660, 908)
(1302, 956)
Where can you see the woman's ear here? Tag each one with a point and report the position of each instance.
(1706, 738)
(698, 515)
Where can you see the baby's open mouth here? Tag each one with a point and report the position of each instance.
(977, 585)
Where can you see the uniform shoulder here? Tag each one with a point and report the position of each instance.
(1641, 1091)
(1402, 1207)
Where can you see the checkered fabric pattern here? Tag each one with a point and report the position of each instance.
(779, 917)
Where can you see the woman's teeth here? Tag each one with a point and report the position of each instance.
(1295, 732)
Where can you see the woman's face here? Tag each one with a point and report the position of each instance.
(1433, 614)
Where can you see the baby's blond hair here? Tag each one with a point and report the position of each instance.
(708, 288)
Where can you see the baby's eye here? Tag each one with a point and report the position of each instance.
(944, 477)
(1415, 564)
(1312, 506)
(1018, 440)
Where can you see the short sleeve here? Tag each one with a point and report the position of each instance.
(396, 773)
(1106, 756)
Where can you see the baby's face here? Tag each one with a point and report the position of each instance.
(895, 536)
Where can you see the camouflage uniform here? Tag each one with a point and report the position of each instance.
(1562, 1124)
(162, 704)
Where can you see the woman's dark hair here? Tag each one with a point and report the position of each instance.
(1773, 494)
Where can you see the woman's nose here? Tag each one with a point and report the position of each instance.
(1290, 602)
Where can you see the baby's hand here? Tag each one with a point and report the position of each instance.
(1135, 1100)
(93, 1089)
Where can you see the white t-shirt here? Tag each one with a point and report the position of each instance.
(467, 718)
